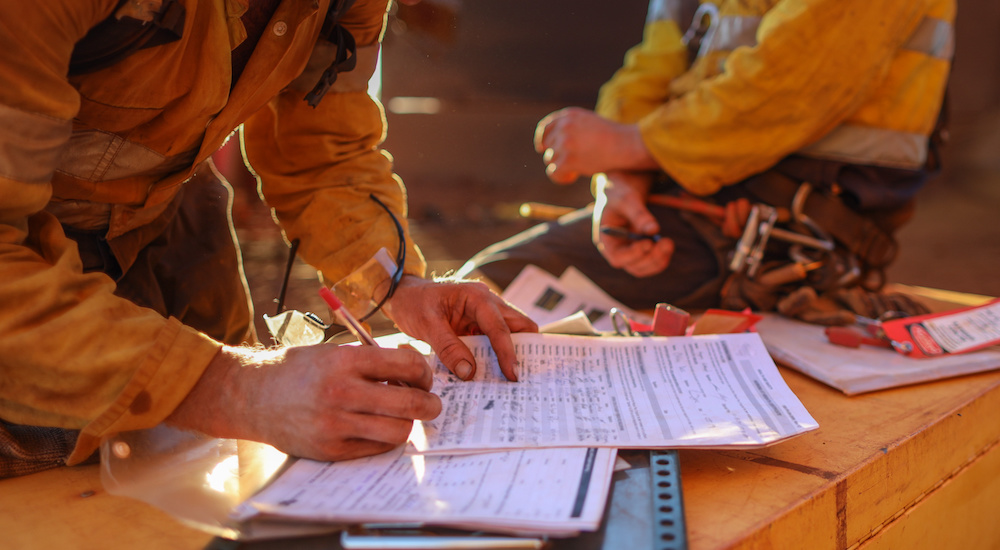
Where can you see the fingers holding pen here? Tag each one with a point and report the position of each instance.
(405, 365)
(638, 255)
(325, 401)
(349, 379)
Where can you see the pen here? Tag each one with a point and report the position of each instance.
(346, 318)
(625, 234)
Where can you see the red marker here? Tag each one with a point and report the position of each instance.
(346, 318)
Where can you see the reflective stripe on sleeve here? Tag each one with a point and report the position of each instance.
(664, 10)
(934, 37)
(30, 149)
(864, 145)
(733, 32)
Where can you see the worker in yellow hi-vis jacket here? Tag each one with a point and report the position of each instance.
(801, 129)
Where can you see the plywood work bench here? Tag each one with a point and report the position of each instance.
(914, 467)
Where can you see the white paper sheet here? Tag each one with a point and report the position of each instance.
(558, 492)
(626, 392)
(804, 347)
(546, 299)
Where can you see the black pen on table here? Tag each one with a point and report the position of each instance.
(623, 233)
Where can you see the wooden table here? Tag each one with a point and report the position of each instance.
(915, 467)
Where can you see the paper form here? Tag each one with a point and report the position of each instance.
(546, 299)
(551, 491)
(805, 348)
(960, 332)
(625, 392)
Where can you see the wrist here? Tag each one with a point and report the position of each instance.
(635, 155)
(406, 283)
(216, 402)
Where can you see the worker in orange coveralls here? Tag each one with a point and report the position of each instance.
(122, 304)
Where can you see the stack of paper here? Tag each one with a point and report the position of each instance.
(536, 456)
(622, 392)
(805, 348)
(553, 492)
(578, 399)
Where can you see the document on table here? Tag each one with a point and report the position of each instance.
(626, 392)
(546, 299)
(805, 348)
(556, 492)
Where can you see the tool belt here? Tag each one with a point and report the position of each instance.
(860, 235)
(799, 235)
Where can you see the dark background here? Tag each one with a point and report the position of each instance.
(497, 67)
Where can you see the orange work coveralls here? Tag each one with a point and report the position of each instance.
(109, 153)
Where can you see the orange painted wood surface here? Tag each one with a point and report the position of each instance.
(874, 458)
(875, 474)
(68, 508)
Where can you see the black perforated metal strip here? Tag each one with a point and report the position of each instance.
(669, 530)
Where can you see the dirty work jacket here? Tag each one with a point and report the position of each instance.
(108, 150)
(859, 81)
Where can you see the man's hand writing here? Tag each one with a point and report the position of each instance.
(322, 402)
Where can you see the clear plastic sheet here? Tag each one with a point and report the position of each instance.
(295, 328)
(199, 479)
(355, 290)
(195, 478)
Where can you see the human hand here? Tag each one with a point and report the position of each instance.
(324, 402)
(438, 312)
(621, 202)
(576, 142)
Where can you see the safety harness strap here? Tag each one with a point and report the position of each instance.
(120, 35)
(346, 57)
(857, 233)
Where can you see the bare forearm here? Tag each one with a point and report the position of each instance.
(212, 405)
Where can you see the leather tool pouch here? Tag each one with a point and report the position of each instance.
(863, 238)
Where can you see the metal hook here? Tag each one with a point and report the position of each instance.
(798, 214)
(619, 315)
(704, 10)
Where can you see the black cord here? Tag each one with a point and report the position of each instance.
(397, 276)
(400, 260)
(288, 273)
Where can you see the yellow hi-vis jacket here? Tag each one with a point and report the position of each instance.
(859, 81)
(109, 149)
